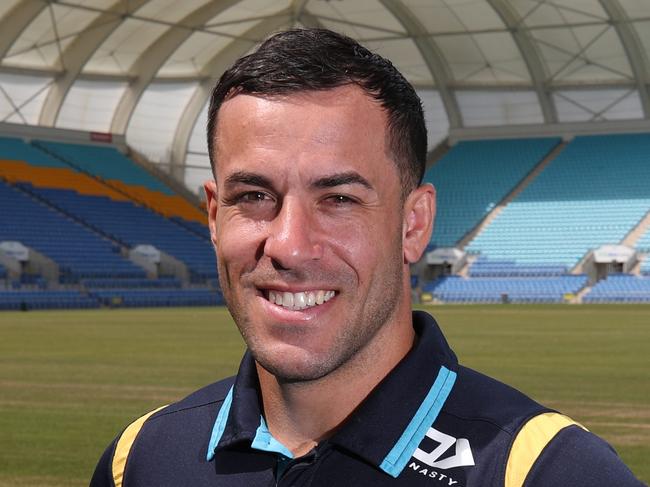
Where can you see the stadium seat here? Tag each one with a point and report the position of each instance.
(592, 194)
(77, 250)
(32, 300)
(621, 288)
(498, 289)
(474, 176)
(134, 225)
(125, 176)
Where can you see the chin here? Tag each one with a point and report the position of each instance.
(289, 364)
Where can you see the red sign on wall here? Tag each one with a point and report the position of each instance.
(101, 137)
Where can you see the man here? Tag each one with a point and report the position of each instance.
(318, 149)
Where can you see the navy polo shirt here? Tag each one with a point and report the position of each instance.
(430, 422)
(382, 438)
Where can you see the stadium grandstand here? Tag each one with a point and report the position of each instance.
(538, 115)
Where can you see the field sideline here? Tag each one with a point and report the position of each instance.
(71, 380)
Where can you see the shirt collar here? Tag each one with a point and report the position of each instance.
(390, 424)
(240, 415)
(386, 428)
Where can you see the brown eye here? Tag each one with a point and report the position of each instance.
(339, 199)
(254, 197)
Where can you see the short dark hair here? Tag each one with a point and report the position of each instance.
(300, 60)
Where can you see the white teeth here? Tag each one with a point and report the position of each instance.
(287, 300)
(300, 300)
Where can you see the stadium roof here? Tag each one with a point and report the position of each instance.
(144, 68)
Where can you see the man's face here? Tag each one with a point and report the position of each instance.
(307, 221)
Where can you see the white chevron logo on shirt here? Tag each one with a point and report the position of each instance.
(461, 458)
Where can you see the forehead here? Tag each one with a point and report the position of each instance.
(343, 126)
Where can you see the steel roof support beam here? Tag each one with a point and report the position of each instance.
(78, 53)
(531, 55)
(297, 9)
(299, 14)
(636, 55)
(212, 71)
(16, 21)
(150, 61)
(434, 59)
(186, 125)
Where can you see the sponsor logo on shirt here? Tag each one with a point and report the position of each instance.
(449, 453)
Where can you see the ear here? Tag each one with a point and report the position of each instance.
(210, 188)
(419, 214)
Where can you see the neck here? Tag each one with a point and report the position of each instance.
(301, 414)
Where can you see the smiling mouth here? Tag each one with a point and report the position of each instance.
(299, 300)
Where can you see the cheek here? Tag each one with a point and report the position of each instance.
(364, 249)
(237, 241)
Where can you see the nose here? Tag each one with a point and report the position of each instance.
(292, 240)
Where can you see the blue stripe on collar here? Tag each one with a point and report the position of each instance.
(219, 425)
(426, 414)
(265, 441)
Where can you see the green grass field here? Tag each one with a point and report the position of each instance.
(69, 381)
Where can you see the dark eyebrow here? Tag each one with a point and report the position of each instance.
(248, 178)
(341, 179)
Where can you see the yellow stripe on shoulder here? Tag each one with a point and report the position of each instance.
(124, 444)
(529, 443)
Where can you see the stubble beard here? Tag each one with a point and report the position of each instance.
(361, 327)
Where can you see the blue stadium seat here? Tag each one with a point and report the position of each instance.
(132, 225)
(495, 289)
(125, 283)
(592, 194)
(486, 267)
(620, 288)
(32, 300)
(474, 176)
(19, 150)
(198, 228)
(131, 298)
(77, 250)
(105, 162)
